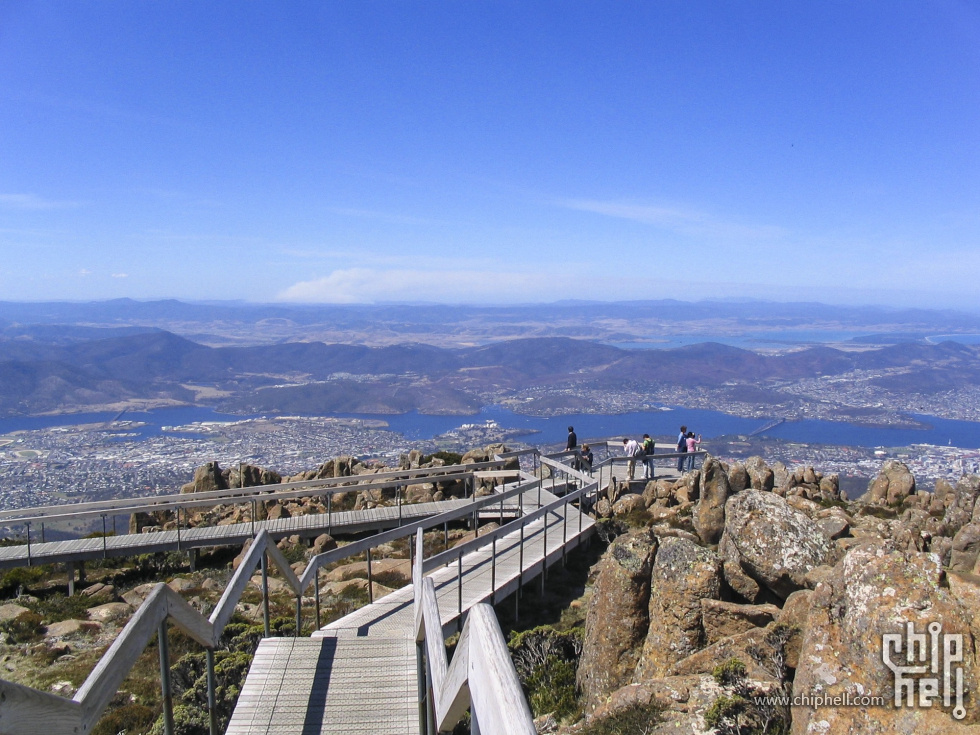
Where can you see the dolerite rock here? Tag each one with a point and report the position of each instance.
(760, 476)
(892, 485)
(960, 503)
(617, 619)
(966, 548)
(709, 513)
(722, 619)
(250, 475)
(773, 543)
(874, 591)
(207, 477)
(628, 503)
(738, 478)
(683, 575)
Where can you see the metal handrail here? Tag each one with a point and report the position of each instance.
(26, 710)
(276, 491)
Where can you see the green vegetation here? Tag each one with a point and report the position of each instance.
(638, 719)
(546, 659)
(447, 457)
(25, 628)
(730, 673)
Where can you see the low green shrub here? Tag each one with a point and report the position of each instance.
(25, 628)
(638, 719)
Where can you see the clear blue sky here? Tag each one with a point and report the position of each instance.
(490, 151)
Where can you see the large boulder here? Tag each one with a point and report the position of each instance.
(760, 475)
(617, 619)
(874, 592)
(722, 619)
(892, 485)
(966, 548)
(683, 575)
(207, 477)
(709, 513)
(772, 542)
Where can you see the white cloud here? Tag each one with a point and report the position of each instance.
(84, 272)
(29, 201)
(363, 285)
(120, 275)
(682, 221)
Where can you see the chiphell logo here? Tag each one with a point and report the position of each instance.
(928, 664)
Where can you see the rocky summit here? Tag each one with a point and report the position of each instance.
(750, 598)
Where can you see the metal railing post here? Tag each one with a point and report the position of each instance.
(330, 513)
(544, 557)
(212, 705)
(253, 518)
(165, 691)
(105, 553)
(398, 500)
(265, 593)
(459, 584)
(493, 571)
(370, 581)
(42, 533)
(178, 528)
(564, 529)
(316, 595)
(30, 562)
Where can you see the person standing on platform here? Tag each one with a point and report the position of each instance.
(681, 447)
(572, 442)
(692, 446)
(631, 448)
(587, 458)
(648, 449)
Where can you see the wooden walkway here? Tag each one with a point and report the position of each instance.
(347, 522)
(358, 674)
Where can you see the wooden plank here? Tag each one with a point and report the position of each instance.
(26, 710)
(498, 703)
(114, 666)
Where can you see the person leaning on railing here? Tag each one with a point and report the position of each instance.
(586, 458)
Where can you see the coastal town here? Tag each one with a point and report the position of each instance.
(116, 459)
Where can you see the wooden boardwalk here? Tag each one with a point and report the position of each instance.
(358, 674)
(348, 522)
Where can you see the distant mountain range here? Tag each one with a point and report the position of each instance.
(230, 323)
(49, 372)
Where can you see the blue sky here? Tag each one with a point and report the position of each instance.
(490, 151)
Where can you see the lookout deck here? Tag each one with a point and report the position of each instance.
(358, 674)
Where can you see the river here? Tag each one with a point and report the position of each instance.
(546, 430)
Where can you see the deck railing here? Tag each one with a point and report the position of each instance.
(26, 711)
(481, 676)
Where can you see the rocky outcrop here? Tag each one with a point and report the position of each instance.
(874, 591)
(892, 485)
(617, 619)
(709, 512)
(684, 574)
(721, 619)
(771, 543)
(207, 478)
